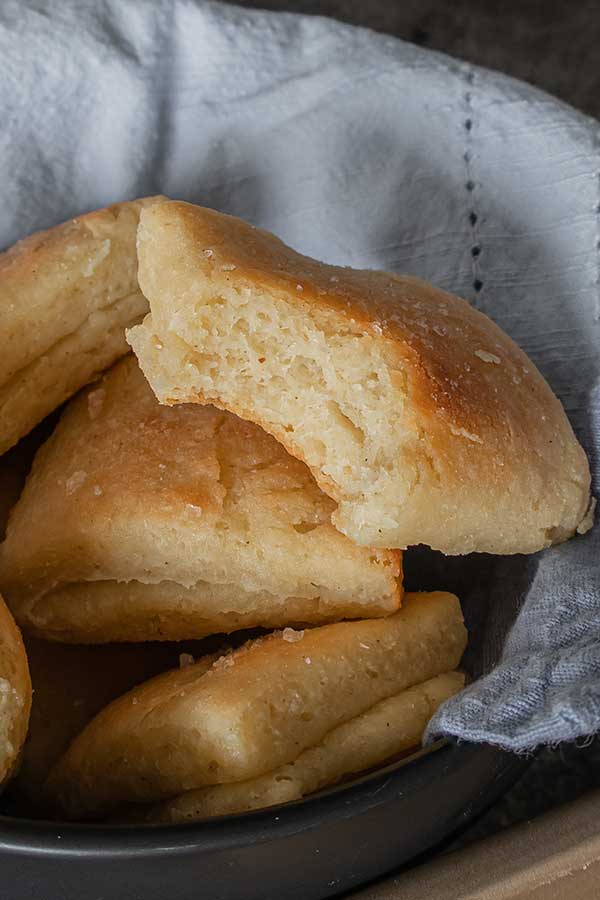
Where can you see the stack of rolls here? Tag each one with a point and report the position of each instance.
(206, 554)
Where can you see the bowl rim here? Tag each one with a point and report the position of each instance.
(405, 776)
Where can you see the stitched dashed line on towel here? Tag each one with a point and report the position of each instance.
(470, 187)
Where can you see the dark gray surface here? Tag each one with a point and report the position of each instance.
(556, 776)
(554, 46)
(332, 842)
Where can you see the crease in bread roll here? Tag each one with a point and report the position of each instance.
(15, 694)
(66, 296)
(420, 417)
(254, 710)
(110, 610)
(141, 522)
(377, 735)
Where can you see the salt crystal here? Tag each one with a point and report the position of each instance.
(162, 466)
(334, 279)
(224, 662)
(208, 253)
(291, 636)
(469, 435)
(299, 287)
(488, 357)
(227, 267)
(95, 401)
(185, 659)
(75, 481)
(307, 660)
(97, 490)
(364, 646)
(93, 261)
(377, 328)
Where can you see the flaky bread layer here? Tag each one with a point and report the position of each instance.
(255, 709)
(387, 729)
(98, 612)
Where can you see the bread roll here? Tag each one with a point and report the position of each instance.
(66, 297)
(254, 710)
(140, 522)
(383, 731)
(415, 412)
(15, 694)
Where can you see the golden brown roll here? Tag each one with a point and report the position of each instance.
(414, 411)
(15, 694)
(253, 710)
(141, 522)
(376, 736)
(66, 297)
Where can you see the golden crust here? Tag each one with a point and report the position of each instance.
(485, 458)
(390, 727)
(254, 710)
(95, 612)
(15, 693)
(141, 522)
(66, 296)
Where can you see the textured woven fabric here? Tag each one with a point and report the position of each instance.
(365, 151)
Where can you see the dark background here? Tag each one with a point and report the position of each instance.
(556, 46)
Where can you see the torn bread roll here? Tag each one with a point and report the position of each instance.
(414, 411)
(15, 694)
(66, 297)
(140, 522)
(253, 710)
(71, 684)
(371, 739)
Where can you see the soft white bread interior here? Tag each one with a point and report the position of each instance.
(141, 522)
(15, 694)
(66, 297)
(253, 710)
(371, 739)
(415, 412)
